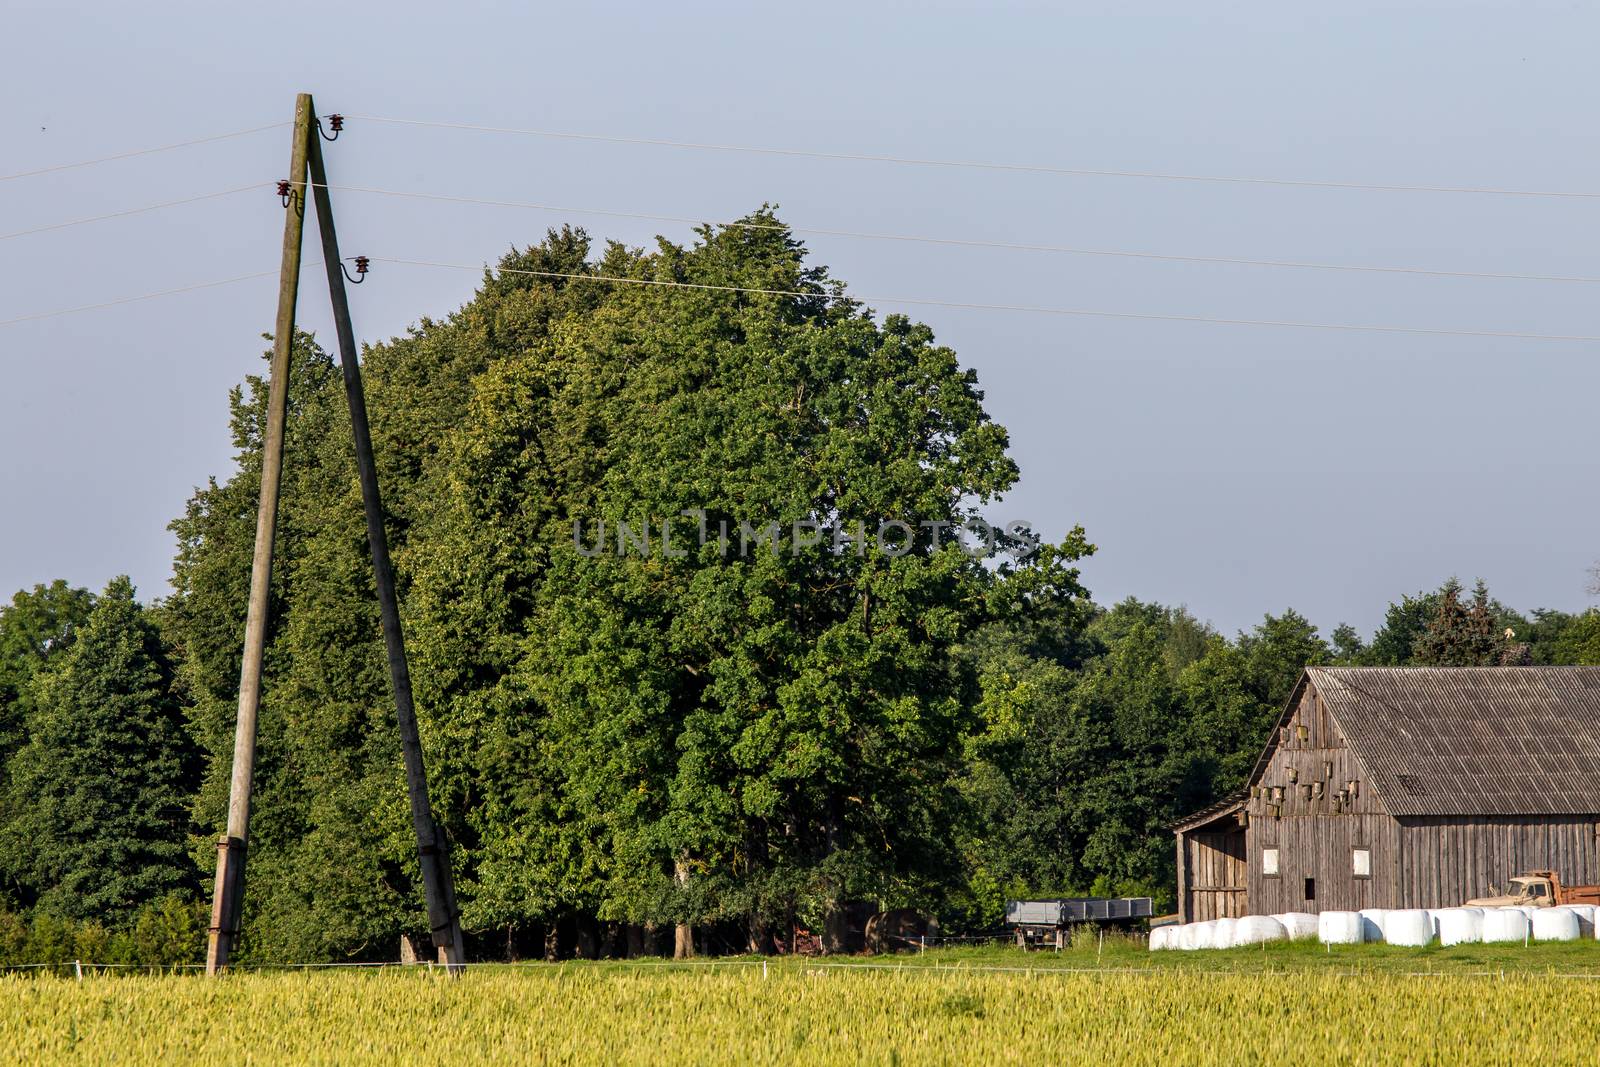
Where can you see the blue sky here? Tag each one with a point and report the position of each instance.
(1239, 470)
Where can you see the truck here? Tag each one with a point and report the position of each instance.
(1046, 922)
(1539, 889)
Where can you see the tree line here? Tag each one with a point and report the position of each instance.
(640, 752)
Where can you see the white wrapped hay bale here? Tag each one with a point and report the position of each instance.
(1160, 937)
(1222, 933)
(1258, 929)
(1200, 934)
(1505, 924)
(1586, 916)
(1339, 928)
(1555, 924)
(1410, 927)
(1300, 925)
(1459, 926)
(1372, 923)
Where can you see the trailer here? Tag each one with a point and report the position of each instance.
(1038, 923)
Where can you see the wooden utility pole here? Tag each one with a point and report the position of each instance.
(438, 885)
(225, 907)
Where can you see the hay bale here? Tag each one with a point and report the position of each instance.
(1505, 924)
(1460, 926)
(1301, 925)
(1586, 914)
(1555, 924)
(1411, 927)
(1340, 928)
(1257, 929)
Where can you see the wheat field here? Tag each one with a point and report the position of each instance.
(794, 1014)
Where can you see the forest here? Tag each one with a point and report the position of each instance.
(737, 746)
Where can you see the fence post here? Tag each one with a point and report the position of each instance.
(77, 967)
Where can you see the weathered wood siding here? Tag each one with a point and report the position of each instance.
(1214, 865)
(1448, 859)
(1316, 834)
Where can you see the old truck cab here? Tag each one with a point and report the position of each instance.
(1539, 889)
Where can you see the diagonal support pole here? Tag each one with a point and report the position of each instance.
(438, 884)
(228, 898)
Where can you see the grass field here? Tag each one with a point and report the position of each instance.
(1293, 1004)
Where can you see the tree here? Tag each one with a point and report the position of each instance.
(1461, 636)
(757, 733)
(1579, 642)
(1277, 651)
(99, 792)
(1396, 640)
(34, 627)
(1349, 649)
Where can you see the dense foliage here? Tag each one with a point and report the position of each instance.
(738, 738)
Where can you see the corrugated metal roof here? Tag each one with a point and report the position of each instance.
(1472, 740)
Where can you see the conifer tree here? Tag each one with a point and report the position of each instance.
(99, 793)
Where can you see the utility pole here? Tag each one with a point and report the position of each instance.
(438, 885)
(229, 895)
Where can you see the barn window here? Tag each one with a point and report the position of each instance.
(1269, 861)
(1361, 862)
(1311, 889)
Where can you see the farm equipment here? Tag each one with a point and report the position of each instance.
(1041, 922)
(1539, 889)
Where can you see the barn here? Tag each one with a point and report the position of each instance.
(1405, 787)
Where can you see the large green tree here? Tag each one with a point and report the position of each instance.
(98, 811)
(38, 626)
(742, 732)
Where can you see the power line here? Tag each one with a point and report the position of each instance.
(142, 296)
(1028, 168)
(969, 243)
(140, 152)
(131, 211)
(1029, 308)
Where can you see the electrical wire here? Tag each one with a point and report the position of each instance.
(141, 152)
(970, 243)
(133, 299)
(1028, 308)
(132, 211)
(1028, 168)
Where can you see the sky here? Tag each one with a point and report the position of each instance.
(1238, 470)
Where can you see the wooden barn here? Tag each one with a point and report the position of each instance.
(1405, 787)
